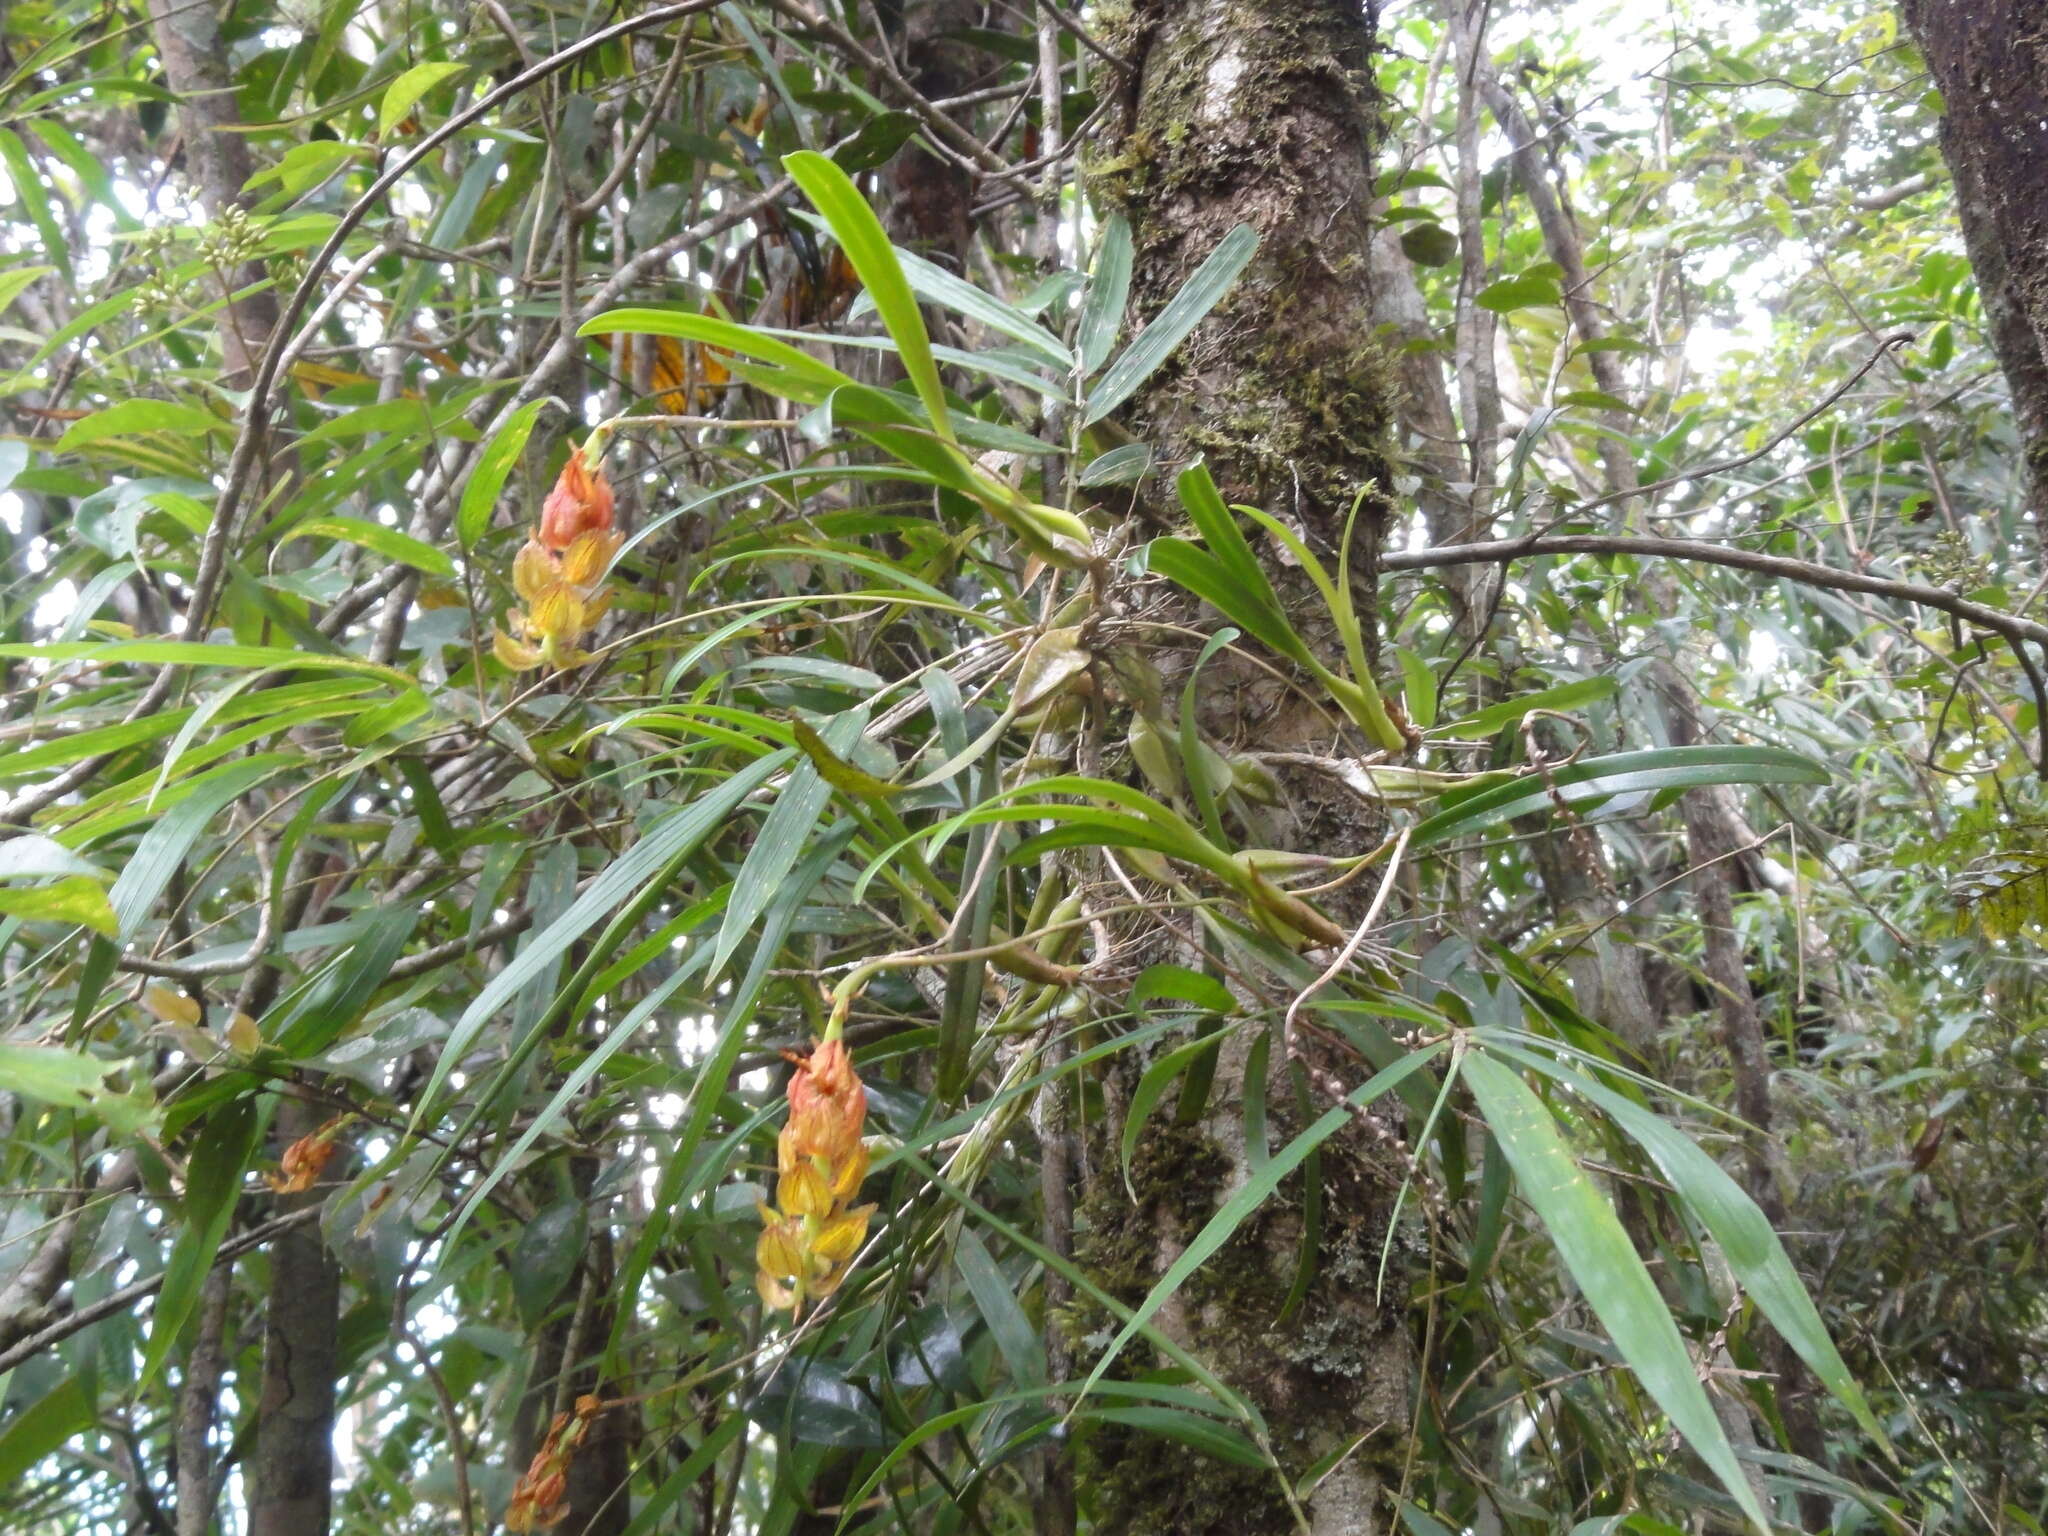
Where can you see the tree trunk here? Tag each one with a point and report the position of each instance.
(292, 1474)
(1260, 112)
(1990, 59)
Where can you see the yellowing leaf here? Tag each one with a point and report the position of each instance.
(170, 1007)
(243, 1037)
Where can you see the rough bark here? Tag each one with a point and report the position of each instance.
(292, 1472)
(1262, 113)
(1990, 60)
(1249, 111)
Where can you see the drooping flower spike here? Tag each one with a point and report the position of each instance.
(808, 1239)
(559, 571)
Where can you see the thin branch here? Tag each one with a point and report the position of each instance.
(1723, 466)
(1805, 572)
(119, 1301)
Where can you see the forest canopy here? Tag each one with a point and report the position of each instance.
(1069, 766)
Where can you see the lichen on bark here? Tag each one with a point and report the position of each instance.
(1243, 111)
(1260, 112)
(1330, 1367)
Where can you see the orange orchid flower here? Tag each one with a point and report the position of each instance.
(810, 1236)
(559, 572)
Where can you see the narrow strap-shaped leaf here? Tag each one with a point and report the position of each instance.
(867, 247)
(213, 1185)
(1109, 290)
(712, 331)
(489, 470)
(1587, 690)
(781, 841)
(956, 293)
(1186, 565)
(1217, 525)
(676, 833)
(1192, 763)
(1017, 1341)
(1151, 1089)
(584, 1071)
(1600, 1258)
(1744, 1233)
(1621, 773)
(164, 846)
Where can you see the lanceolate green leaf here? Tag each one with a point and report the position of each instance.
(213, 1184)
(942, 287)
(1109, 290)
(679, 830)
(73, 899)
(868, 249)
(1597, 778)
(41, 1427)
(1743, 1232)
(1022, 1349)
(404, 93)
(489, 470)
(54, 1074)
(1565, 696)
(1170, 327)
(164, 846)
(782, 839)
(1599, 1256)
(709, 330)
(193, 654)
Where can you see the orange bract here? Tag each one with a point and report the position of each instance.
(539, 1498)
(581, 501)
(306, 1159)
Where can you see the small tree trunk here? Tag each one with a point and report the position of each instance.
(926, 200)
(196, 66)
(292, 1474)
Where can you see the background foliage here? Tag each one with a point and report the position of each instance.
(875, 733)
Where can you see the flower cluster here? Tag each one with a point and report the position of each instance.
(811, 1236)
(559, 572)
(306, 1159)
(540, 1497)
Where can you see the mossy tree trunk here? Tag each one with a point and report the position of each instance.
(1262, 112)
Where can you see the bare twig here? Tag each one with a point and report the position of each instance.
(1806, 572)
